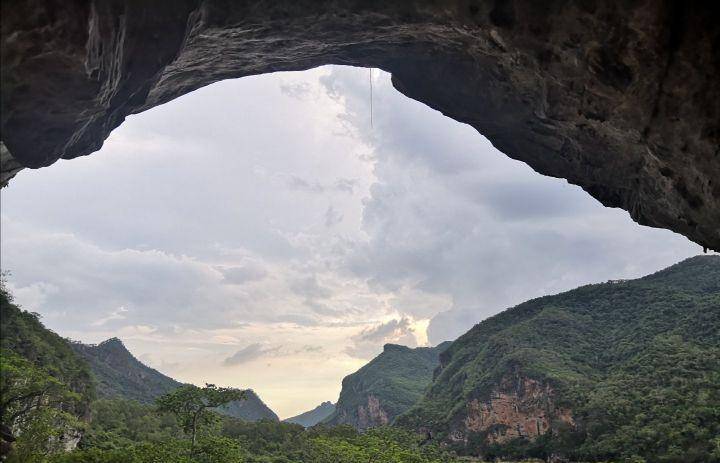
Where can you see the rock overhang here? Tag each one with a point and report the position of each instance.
(618, 98)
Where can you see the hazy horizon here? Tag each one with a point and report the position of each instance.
(260, 233)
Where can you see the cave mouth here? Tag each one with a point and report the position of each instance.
(607, 96)
(258, 225)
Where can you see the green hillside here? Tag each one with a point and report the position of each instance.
(22, 333)
(312, 417)
(119, 375)
(386, 387)
(606, 371)
(250, 409)
(45, 388)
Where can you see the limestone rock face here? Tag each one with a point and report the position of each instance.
(618, 97)
(371, 415)
(519, 407)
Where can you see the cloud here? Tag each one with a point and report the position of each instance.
(249, 353)
(258, 350)
(310, 349)
(310, 288)
(118, 314)
(243, 274)
(346, 185)
(298, 90)
(332, 217)
(369, 341)
(296, 183)
(341, 185)
(449, 214)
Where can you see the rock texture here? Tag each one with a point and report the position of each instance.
(618, 97)
(519, 408)
(371, 415)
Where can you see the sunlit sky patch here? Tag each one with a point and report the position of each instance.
(260, 233)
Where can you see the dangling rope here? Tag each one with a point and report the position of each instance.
(371, 100)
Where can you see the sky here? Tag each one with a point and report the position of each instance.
(260, 233)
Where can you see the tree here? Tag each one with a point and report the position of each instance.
(192, 405)
(31, 407)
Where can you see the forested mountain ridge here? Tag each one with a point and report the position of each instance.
(252, 408)
(386, 387)
(119, 374)
(312, 417)
(605, 371)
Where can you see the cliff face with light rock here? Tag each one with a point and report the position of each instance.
(371, 415)
(617, 97)
(519, 408)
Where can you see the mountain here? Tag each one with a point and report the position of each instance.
(250, 409)
(314, 416)
(612, 371)
(386, 387)
(118, 374)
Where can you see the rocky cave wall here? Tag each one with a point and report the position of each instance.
(618, 97)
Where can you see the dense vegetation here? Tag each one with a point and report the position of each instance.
(637, 362)
(45, 389)
(229, 440)
(22, 333)
(397, 378)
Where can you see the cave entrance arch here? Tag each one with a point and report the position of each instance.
(618, 99)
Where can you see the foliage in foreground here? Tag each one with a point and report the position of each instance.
(228, 440)
(45, 390)
(192, 405)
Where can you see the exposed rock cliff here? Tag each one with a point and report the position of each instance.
(617, 97)
(371, 414)
(519, 407)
